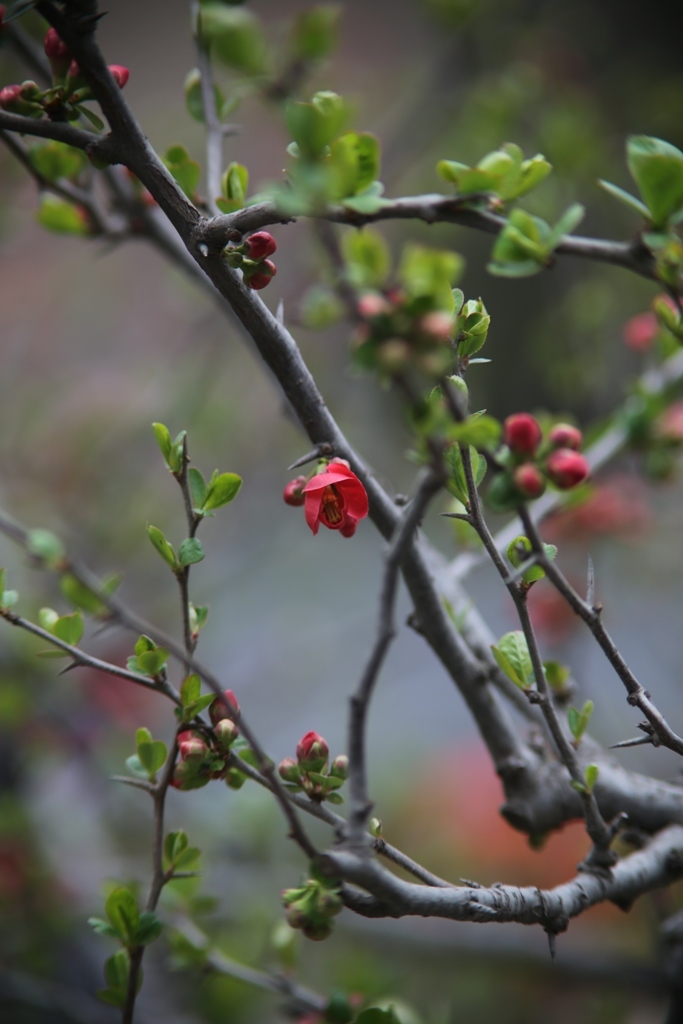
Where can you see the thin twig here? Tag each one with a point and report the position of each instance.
(214, 128)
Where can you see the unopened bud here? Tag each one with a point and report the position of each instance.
(522, 433)
(224, 707)
(259, 245)
(318, 930)
(340, 767)
(372, 304)
(529, 480)
(438, 325)
(226, 732)
(312, 752)
(192, 746)
(564, 435)
(262, 277)
(234, 778)
(567, 468)
(394, 355)
(119, 74)
(289, 770)
(293, 492)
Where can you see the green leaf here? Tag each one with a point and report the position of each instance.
(103, 927)
(591, 774)
(190, 689)
(174, 844)
(480, 431)
(152, 756)
(190, 552)
(143, 644)
(513, 658)
(234, 186)
(135, 766)
(55, 160)
(320, 308)
(163, 547)
(313, 126)
(625, 197)
(69, 628)
(150, 663)
(122, 911)
(578, 720)
(235, 37)
(90, 115)
(116, 971)
(79, 595)
(426, 272)
(196, 707)
(367, 257)
(184, 169)
(186, 858)
(223, 488)
(657, 168)
(335, 798)
(193, 95)
(566, 224)
(43, 544)
(62, 217)
(163, 440)
(149, 928)
(313, 34)
(457, 481)
(47, 618)
(198, 616)
(556, 674)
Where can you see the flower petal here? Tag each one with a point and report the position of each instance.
(313, 501)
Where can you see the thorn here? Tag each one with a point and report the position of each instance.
(638, 741)
(68, 668)
(590, 586)
(552, 945)
(470, 884)
(457, 515)
(318, 452)
(280, 314)
(204, 249)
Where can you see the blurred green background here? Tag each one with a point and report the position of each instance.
(98, 342)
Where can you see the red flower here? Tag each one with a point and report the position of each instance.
(336, 498)
(521, 433)
(260, 245)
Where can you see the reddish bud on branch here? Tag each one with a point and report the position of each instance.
(259, 245)
(119, 74)
(192, 746)
(293, 492)
(522, 433)
(262, 277)
(289, 770)
(54, 47)
(567, 468)
(312, 752)
(224, 707)
(226, 733)
(564, 435)
(529, 480)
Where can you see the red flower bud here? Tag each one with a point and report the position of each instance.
(224, 707)
(74, 71)
(192, 746)
(437, 324)
(260, 244)
(263, 275)
(9, 96)
(640, 331)
(226, 733)
(312, 752)
(529, 480)
(372, 304)
(521, 433)
(567, 468)
(54, 47)
(564, 435)
(119, 74)
(289, 770)
(293, 493)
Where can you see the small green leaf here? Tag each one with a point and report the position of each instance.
(149, 929)
(151, 662)
(91, 116)
(62, 217)
(190, 552)
(184, 169)
(313, 34)
(103, 927)
(79, 595)
(122, 911)
(198, 616)
(570, 219)
(163, 440)
(196, 707)
(55, 160)
(135, 766)
(47, 617)
(174, 844)
(163, 547)
(657, 168)
(556, 674)
(367, 258)
(477, 430)
(235, 36)
(512, 656)
(116, 970)
(193, 96)
(579, 720)
(190, 689)
(592, 772)
(335, 798)
(69, 628)
(152, 756)
(223, 488)
(186, 858)
(626, 198)
(143, 644)
(43, 544)
(198, 487)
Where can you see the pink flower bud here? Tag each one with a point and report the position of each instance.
(289, 770)
(670, 424)
(74, 70)
(521, 433)
(438, 324)
(9, 96)
(186, 776)
(567, 468)
(259, 245)
(564, 435)
(226, 733)
(54, 47)
(529, 480)
(192, 746)
(640, 332)
(372, 304)
(293, 492)
(340, 767)
(224, 707)
(312, 752)
(262, 277)
(119, 74)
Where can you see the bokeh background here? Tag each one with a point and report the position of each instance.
(97, 342)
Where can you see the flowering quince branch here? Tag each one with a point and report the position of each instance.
(343, 491)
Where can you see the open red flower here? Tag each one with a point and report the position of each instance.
(335, 498)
